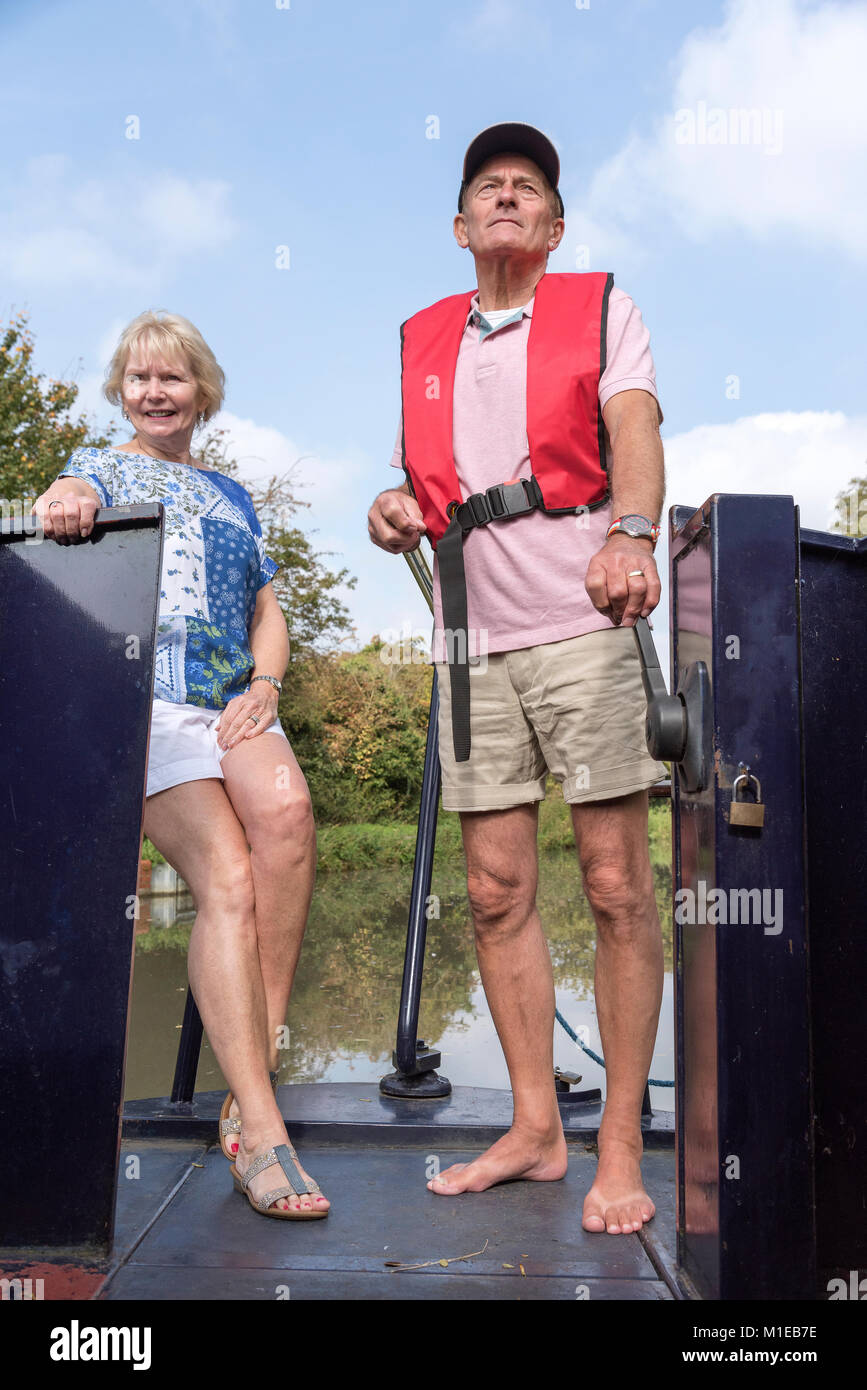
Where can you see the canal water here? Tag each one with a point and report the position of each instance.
(343, 1013)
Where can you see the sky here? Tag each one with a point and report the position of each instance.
(284, 173)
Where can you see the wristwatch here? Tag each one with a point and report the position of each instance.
(272, 680)
(634, 525)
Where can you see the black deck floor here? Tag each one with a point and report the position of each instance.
(183, 1232)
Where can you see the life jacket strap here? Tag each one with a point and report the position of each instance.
(500, 502)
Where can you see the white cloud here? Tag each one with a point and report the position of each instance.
(503, 24)
(766, 135)
(326, 483)
(808, 455)
(61, 230)
(182, 215)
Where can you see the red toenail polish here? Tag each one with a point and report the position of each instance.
(234, 1148)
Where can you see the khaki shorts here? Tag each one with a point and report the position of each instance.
(575, 708)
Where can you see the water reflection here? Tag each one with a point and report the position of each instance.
(344, 1006)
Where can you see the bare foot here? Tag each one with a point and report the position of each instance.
(617, 1202)
(274, 1175)
(519, 1154)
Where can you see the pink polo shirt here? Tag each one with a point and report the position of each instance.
(525, 578)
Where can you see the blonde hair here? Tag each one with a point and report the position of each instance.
(173, 337)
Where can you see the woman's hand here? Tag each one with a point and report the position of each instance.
(236, 721)
(76, 505)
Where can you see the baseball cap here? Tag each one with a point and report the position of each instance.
(513, 137)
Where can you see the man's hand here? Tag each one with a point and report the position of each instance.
(394, 522)
(620, 596)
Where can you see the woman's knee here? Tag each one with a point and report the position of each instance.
(284, 826)
(226, 887)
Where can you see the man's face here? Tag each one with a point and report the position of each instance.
(507, 210)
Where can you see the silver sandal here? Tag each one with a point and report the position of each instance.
(287, 1158)
(231, 1124)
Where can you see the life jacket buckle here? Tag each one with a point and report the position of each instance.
(478, 508)
(508, 499)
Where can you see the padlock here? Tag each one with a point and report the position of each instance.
(749, 813)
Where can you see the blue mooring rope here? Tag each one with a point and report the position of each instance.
(590, 1053)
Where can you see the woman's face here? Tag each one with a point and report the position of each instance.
(162, 399)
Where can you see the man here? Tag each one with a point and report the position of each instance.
(543, 384)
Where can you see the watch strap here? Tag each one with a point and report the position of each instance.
(650, 530)
(272, 680)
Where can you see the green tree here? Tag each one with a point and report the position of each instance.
(851, 505)
(358, 726)
(38, 428)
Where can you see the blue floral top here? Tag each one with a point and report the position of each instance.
(214, 564)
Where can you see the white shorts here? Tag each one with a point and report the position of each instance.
(183, 745)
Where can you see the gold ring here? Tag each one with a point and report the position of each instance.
(630, 573)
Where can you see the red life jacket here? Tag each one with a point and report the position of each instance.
(565, 430)
(566, 355)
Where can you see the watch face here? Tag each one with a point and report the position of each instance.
(635, 525)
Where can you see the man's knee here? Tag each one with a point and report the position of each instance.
(619, 892)
(500, 900)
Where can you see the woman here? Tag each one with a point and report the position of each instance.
(226, 801)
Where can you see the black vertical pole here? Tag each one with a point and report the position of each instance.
(189, 1047)
(415, 1064)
